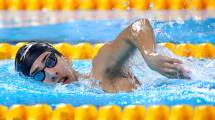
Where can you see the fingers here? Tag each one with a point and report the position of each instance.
(170, 66)
(177, 67)
(173, 60)
(169, 71)
(170, 76)
(174, 74)
(176, 61)
(183, 73)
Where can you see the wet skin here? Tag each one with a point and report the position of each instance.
(108, 63)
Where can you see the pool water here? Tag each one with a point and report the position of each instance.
(156, 89)
(93, 31)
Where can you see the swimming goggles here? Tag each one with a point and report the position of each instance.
(50, 62)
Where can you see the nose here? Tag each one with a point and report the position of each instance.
(51, 74)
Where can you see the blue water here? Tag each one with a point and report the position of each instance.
(188, 31)
(156, 89)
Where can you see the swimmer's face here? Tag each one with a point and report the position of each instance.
(52, 68)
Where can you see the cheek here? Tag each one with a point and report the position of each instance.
(62, 65)
(47, 81)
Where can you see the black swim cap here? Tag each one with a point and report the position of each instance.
(27, 54)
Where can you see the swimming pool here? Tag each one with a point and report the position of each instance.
(100, 26)
(156, 89)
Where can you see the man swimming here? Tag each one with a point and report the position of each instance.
(43, 63)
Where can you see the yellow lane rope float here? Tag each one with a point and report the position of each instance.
(110, 112)
(88, 51)
(105, 4)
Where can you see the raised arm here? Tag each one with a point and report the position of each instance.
(139, 35)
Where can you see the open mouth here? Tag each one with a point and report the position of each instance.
(65, 80)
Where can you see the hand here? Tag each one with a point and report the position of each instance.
(169, 67)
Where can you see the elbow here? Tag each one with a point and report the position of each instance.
(144, 21)
(139, 26)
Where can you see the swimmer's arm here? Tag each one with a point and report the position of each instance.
(139, 35)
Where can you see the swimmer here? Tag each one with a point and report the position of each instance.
(45, 64)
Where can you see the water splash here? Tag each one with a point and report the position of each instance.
(155, 89)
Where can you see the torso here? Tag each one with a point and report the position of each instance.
(125, 83)
(114, 79)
